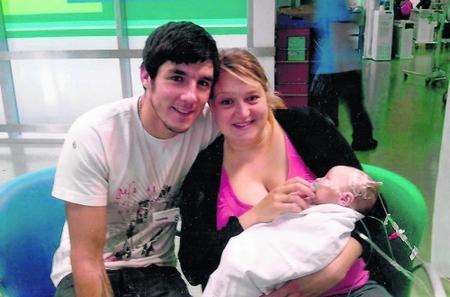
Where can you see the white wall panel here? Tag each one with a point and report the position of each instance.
(62, 43)
(2, 111)
(223, 41)
(58, 91)
(440, 244)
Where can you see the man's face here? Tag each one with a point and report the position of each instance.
(176, 96)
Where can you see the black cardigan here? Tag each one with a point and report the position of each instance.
(316, 140)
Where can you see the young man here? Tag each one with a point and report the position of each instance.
(121, 167)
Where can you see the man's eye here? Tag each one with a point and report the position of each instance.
(176, 78)
(204, 83)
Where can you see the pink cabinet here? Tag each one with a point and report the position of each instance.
(292, 65)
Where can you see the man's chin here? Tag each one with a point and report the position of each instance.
(178, 130)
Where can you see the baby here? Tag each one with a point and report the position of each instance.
(266, 255)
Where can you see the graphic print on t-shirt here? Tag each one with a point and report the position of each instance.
(142, 231)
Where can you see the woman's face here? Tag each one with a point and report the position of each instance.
(240, 109)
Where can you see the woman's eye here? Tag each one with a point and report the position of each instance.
(226, 101)
(253, 98)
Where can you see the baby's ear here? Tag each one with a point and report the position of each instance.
(346, 198)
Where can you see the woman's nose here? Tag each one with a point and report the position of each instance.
(242, 110)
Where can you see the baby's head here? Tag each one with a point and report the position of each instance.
(347, 186)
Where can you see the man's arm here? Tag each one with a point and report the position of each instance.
(87, 230)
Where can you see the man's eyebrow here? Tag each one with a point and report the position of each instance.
(183, 73)
(178, 71)
(208, 78)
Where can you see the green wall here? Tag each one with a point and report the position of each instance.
(57, 18)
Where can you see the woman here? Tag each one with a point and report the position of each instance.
(261, 167)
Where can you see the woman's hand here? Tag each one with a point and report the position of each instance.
(292, 196)
(318, 283)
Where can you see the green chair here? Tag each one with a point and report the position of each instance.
(406, 204)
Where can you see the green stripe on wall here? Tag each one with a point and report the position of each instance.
(30, 7)
(107, 28)
(218, 17)
(108, 32)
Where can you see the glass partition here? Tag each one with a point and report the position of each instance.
(61, 58)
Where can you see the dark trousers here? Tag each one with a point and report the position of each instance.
(327, 89)
(152, 281)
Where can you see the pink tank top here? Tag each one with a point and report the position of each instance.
(229, 205)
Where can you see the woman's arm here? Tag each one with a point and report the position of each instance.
(201, 244)
(318, 283)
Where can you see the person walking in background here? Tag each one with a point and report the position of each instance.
(337, 71)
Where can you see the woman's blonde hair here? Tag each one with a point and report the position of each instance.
(244, 66)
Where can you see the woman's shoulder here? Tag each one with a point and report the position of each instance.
(212, 152)
(299, 117)
(208, 160)
(304, 112)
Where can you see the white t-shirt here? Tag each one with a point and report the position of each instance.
(108, 159)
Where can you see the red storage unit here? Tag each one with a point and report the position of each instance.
(292, 65)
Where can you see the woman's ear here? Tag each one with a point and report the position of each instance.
(346, 199)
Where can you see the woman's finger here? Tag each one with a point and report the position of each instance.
(297, 179)
(297, 187)
(290, 207)
(300, 201)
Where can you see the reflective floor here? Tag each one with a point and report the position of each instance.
(407, 116)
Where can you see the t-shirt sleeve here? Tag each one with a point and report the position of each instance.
(82, 175)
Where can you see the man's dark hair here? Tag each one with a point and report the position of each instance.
(179, 42)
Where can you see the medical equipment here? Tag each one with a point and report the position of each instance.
(394, 232)
(378, 31)
(437, 75)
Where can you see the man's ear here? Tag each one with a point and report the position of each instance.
(346, 198)
(145, 78)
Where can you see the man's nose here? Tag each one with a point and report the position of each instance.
(190, 92)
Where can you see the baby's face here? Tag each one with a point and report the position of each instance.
(329, 187)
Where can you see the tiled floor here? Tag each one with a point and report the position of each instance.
(407, 116)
